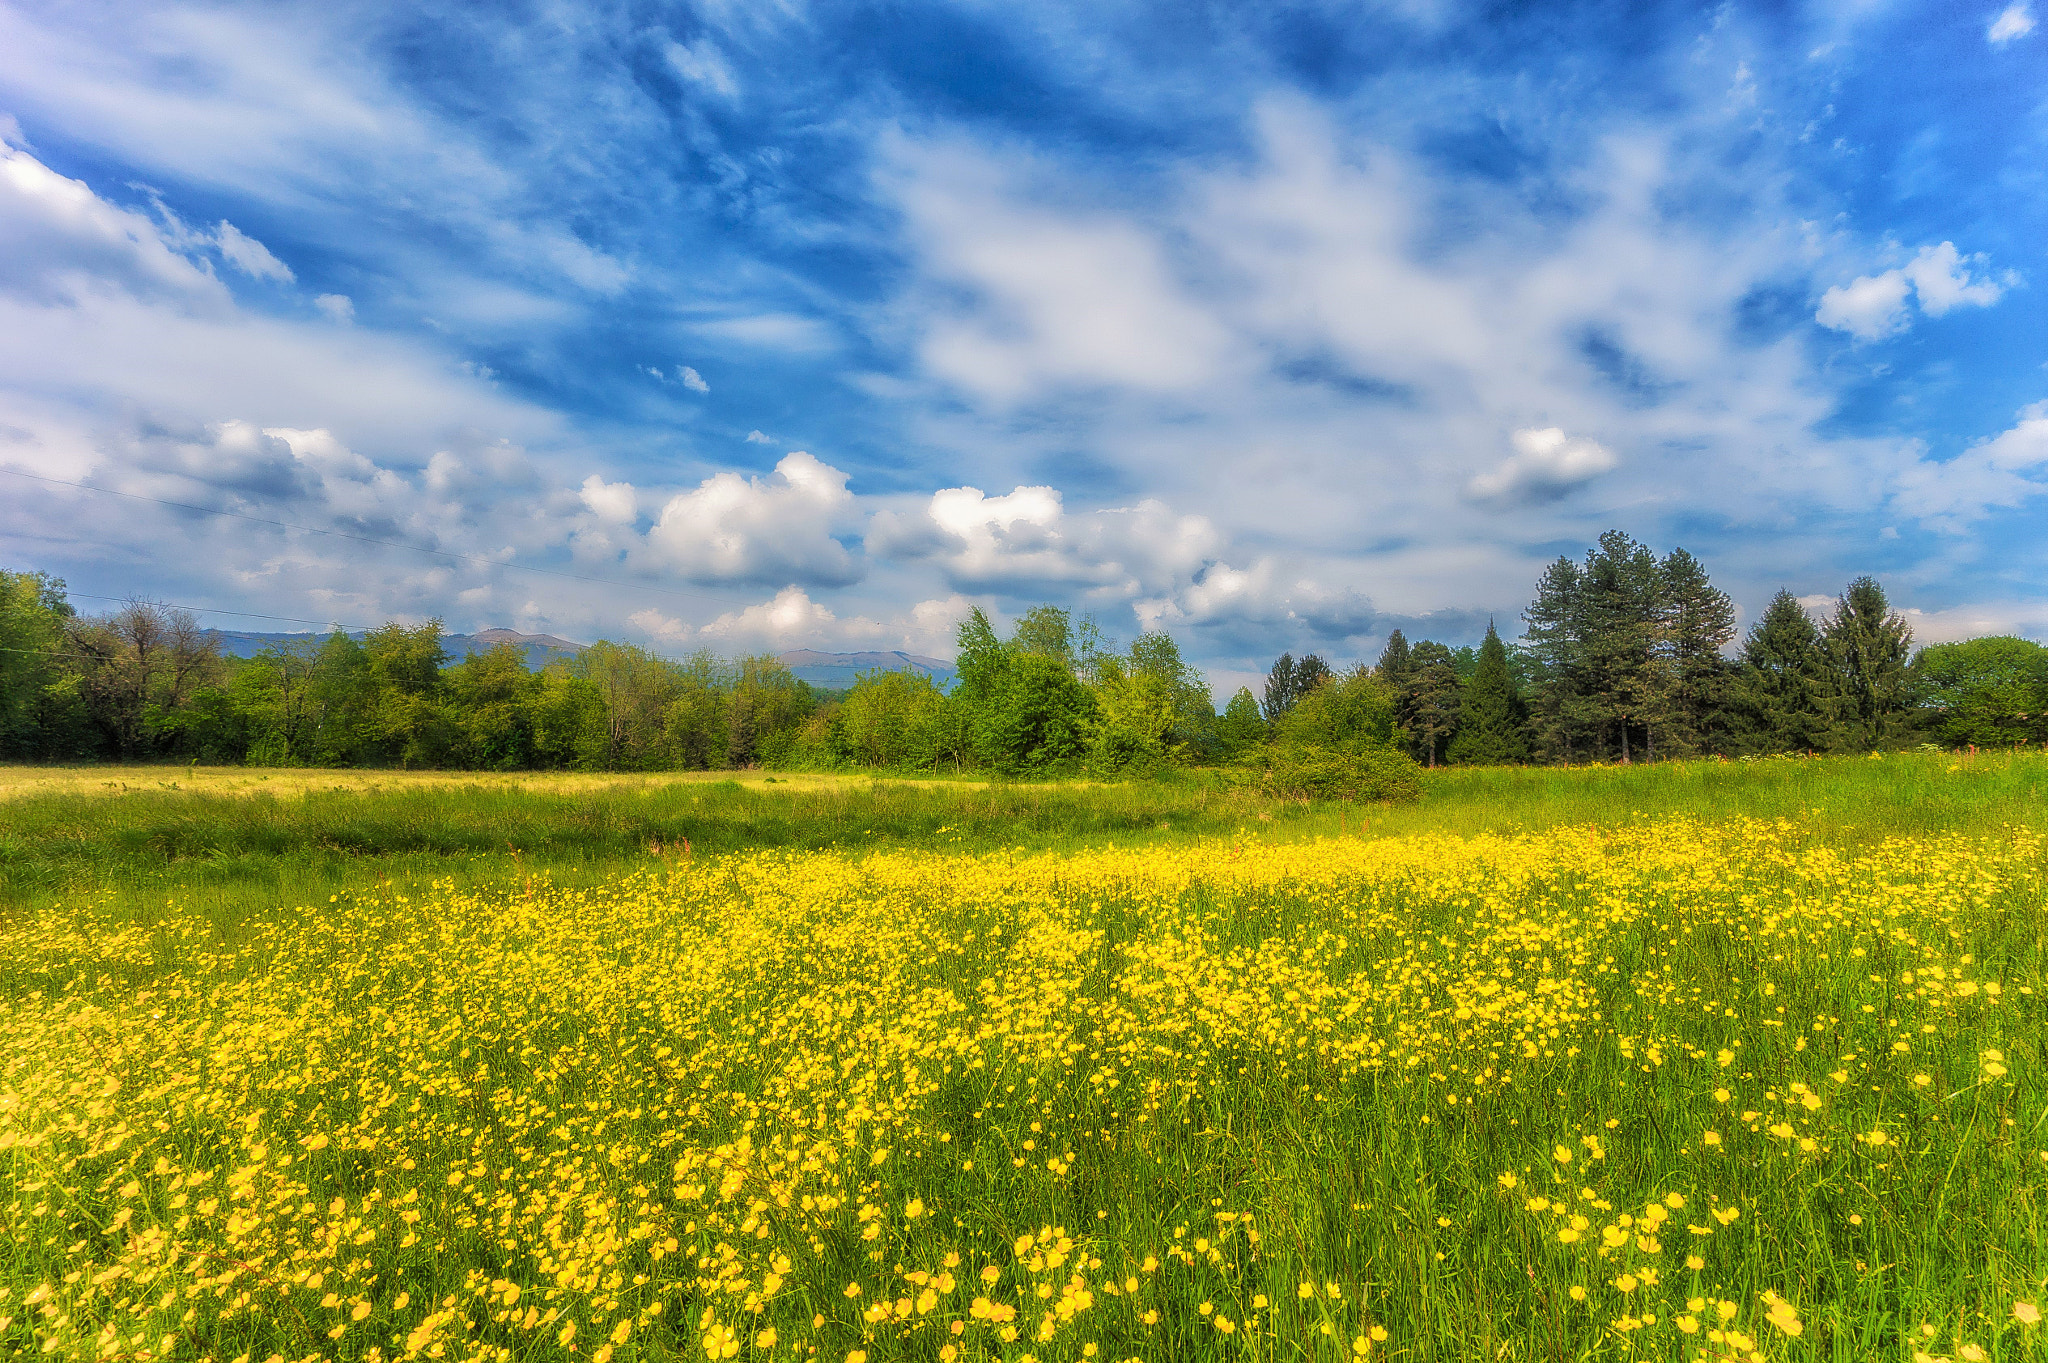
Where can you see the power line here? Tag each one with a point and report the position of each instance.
(370, 539)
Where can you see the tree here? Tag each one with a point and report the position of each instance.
(1355, 708)
(1039, 720)
(33, 616)
(1280, 692)
(1242, 727)
(891, 719)
(1871, 645)
(1154, 654)
(1562, 706)
(1048, 632)
(1491, 715)
(1990, 692)
(489, 704)
(1430, 697)
(1698, 623)
(1785, 689)
(1621, 603)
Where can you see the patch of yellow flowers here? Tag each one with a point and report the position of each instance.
(1676, 1090)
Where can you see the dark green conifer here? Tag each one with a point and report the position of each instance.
(1492, 720)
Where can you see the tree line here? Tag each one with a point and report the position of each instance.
(1624, 656)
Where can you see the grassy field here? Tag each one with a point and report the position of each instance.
(1693, 1061)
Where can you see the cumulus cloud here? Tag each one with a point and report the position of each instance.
(691, 379)
(1546, 465)
(766, 530)
(792, 619)
(1261, 602)
(1939, 278)
(2004, 471)
(336, 307)
(759, 438)
(1026, 540)
(612, 503)
(2014, 21)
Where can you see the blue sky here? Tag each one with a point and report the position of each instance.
(1273, 325)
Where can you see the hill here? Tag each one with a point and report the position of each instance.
(838, 670)
(537, 649)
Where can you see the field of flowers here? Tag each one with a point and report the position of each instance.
(1673, 1090)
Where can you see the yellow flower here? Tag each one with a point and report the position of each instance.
(2026, 1313)
(1562, 1154)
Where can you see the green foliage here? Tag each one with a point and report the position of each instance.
(1786, 689)
(1352, 771)
(1429, 697)
(1241, 728)
(1491, 715)
(33, 616)
(897, 721)
(1871, 646)
(1990, 692)
(1357, 707)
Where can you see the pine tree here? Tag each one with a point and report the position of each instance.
(1871, 644)
(1491, 716)
(1561, 709)
(1698, 622)
(1623, 601)
(1310, 673)
(1430, 696)
(1786, 688)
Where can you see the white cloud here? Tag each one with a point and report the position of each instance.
(1546, 465)
(63, 242)
(1873, 307)
(2014, 21)
(2028, 619)
(1051, 299)
(771, 331)
(774, 529)
(1261, 602)
(691, 379)
(792, 619)
(1869, 308)
(1025, 541)
(249, 255)
(613, 503)
(2004, 471)
(757, 438)
(703, 64)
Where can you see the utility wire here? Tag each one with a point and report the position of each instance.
(369, 539)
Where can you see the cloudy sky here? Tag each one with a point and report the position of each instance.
(768, 325)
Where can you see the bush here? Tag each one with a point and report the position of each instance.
(1348, 771)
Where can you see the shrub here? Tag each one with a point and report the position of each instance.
(1347, 771)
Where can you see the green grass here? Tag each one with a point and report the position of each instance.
(329, 832)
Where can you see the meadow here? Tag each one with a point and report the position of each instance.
(1702, 1061)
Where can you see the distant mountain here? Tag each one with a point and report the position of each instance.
(838, 670)
(536, 649)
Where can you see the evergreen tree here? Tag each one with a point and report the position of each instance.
(1431, 696)
(1621, 605)
(1395, 659)
(1491, 716)
(1785, 689)
(1562, 708)
(1310, 674)
(1698, 622)
(1871, 645)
